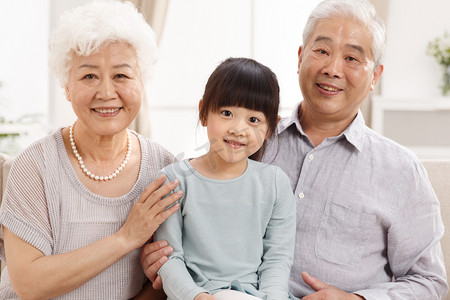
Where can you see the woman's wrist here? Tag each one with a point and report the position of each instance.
(123, 243)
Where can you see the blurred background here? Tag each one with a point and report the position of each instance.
(195, 36)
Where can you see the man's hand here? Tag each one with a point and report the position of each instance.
(153, 256)
(326, 292)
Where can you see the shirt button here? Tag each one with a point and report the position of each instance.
(311, 156)
(301, 195)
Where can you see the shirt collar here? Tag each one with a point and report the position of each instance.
(286, 122)
(354, 133)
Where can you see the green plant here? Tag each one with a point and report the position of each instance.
(8, 140)
(439, 48)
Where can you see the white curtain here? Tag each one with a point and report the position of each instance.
(155, 12)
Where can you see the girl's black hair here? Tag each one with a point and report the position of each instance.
(243, 82)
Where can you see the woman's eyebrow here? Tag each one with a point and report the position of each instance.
(122, 66)
(95, 66)
(87, 66)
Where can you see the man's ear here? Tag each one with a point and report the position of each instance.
(376, 76)
(300, 49)
(201, 117)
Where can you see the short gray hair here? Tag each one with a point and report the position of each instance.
(88, 28)
(360, 10)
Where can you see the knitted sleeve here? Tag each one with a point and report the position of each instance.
(24, 208)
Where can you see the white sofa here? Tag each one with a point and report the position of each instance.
(438, 172)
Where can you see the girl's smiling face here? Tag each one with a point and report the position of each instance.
(234, 134)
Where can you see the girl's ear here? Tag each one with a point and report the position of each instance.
(268, 134)
(201, 117)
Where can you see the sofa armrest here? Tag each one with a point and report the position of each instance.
(439, 175)
(5, 166)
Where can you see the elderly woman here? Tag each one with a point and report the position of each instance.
(80, 203)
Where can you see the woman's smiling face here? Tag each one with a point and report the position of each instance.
(105, 88)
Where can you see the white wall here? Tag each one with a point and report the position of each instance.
(278, 28)
(411, 110)
(197, 37)
(23, 68)
(23, 72)
(409, 72)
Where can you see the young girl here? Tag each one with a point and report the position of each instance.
(235, 228)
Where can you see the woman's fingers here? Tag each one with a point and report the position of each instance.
(150, 211)
(155, 192)
(151, 188)
(154, 216)
(161, 214)
(160, 206)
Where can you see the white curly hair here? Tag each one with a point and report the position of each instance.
(87, 29)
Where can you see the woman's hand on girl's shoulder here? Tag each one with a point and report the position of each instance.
(148, 213)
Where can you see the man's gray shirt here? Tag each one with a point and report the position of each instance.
(366, 212)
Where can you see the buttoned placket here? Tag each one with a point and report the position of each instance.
(307, 164)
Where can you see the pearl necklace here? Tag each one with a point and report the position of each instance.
(90, 174)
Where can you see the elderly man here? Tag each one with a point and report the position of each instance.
(368, 221)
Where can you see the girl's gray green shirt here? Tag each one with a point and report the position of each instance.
(46, 205)
(240, 230)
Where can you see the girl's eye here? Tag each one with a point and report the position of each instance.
(254, 120)
(226, 113)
